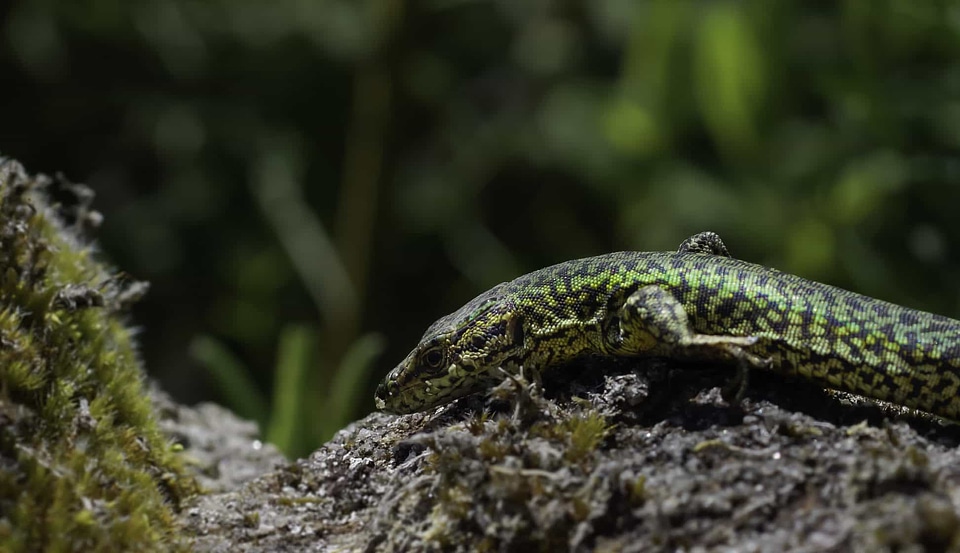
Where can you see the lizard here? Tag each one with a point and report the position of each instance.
(696, 303)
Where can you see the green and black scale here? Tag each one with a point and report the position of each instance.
(696, 303)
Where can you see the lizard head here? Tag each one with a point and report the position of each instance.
(458, 355)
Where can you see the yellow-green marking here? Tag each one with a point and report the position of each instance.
(697, 303)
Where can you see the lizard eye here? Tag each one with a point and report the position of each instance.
(433, 358)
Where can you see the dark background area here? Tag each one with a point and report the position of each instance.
(308, 184)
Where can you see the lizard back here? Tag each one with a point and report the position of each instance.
(838, 338)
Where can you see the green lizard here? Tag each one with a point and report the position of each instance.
(697, 303)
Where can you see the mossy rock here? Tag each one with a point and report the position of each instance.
(83, 465)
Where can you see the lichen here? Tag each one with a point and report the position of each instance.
(83, 465)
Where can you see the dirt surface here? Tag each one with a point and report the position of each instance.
(634, 456)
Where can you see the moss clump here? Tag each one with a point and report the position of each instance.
(83, 466)
(530, 480)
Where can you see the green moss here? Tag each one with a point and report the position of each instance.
(536, 471)
(587, 431)
(83, 465)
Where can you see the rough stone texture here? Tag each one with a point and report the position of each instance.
(223, 450)
(630, 456)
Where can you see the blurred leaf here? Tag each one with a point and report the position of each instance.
(864, 185)
(347, 389)
(631, 128)
(547, 46)
(295, 359)
(276, 186)
(811, 247)
(231, 378)
(730, 79)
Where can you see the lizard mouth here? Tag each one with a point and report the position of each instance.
(381, 396)
(417, 396)
(424, 394)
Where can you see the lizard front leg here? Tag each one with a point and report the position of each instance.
(653, 322)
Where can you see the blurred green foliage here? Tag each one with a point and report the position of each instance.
(361, 166)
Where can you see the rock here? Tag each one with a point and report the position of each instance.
(630, 456)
